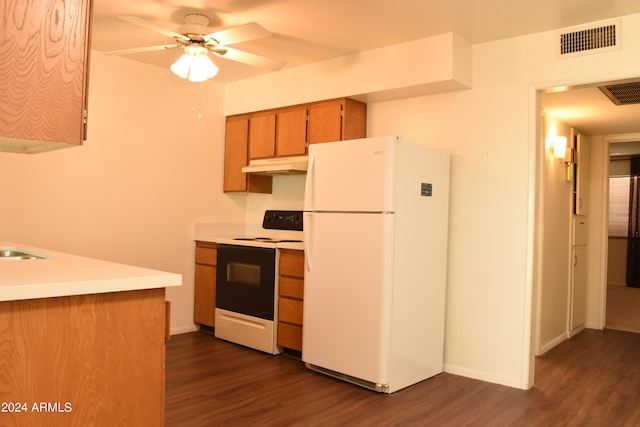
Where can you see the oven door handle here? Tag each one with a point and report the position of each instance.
(308, 236)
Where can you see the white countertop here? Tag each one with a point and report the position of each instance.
(225, 233)
(61, 274)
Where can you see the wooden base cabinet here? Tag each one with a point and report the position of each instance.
(205, 284)
(290, 299)
(83, 360)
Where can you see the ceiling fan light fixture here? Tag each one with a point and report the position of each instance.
(194, 64)
(181, 67)
(202, 68)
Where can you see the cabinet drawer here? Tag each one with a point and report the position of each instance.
(206, 253)
(291, 287)
(290, 336)
(291, 263)
(290, 310)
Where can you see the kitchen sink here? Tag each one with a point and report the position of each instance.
(17, 254)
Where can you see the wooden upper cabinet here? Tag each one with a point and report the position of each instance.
(291, 132)
(262, 136)
(337, 120)
(325, 122)
(44, 67)
(236, 147)
(285, 132)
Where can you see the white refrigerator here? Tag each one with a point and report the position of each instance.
(376, 231)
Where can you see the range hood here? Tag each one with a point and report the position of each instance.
(277, 166)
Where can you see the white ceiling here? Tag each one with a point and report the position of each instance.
(308, 31)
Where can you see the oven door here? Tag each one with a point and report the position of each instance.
(245, 280)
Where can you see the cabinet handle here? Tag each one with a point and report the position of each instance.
(575, 260)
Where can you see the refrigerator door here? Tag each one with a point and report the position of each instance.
(347, 293)
(356, 175)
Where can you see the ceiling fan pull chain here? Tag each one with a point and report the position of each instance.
(193, 95)
(200, 103)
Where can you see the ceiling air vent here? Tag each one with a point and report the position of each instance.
(591, 38)
(623, 93)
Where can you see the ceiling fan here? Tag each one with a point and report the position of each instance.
(197, 40)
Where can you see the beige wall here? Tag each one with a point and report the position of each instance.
(554, 231)
(132, 193)
(150, 170)
(491, 132)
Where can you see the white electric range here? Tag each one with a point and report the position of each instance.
(247, 281)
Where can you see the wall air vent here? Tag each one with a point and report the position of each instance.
(623, 93)
(587, 39)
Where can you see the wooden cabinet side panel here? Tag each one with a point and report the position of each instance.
(291, 132)
(99, 358)
(325, 122)
(354, 121)
(204, 295)
(44, 63)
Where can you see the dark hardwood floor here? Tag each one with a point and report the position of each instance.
(592, 379)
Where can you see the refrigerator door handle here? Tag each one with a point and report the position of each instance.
(310, 184)
(308, 236)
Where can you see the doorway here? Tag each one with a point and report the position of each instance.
(622, 301)
(586, 108)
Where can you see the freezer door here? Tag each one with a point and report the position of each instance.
(347, 293)
(352, 176)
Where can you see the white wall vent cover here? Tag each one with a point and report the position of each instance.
(587, 39)
(627, 93)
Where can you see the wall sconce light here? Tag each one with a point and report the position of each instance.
(558, 145)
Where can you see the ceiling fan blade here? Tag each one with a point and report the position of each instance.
(241, 33)
(251, 59)
(153, 27)
(139, 49)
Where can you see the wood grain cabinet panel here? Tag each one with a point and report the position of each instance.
(337, 120)
(285, 132)
(236, 156)
(44, 68)
(290, 299)
(93, 359)
(205, 284)
(262, 136)
(291, 132)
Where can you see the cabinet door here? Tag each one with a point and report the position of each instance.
(236, 148)
(579, 288)
(325, 122)
(44, 62)
(291, 133)
(262, 136)
(204, 295)
(235, 154)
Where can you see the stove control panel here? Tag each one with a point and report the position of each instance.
(282, 220)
